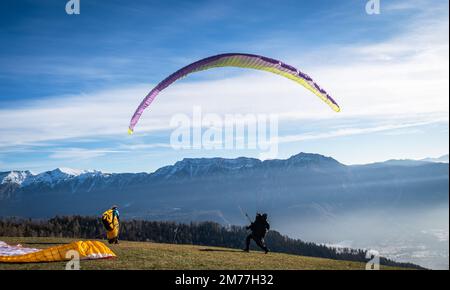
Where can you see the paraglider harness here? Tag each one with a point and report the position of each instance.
(108, 219)
(256, 227)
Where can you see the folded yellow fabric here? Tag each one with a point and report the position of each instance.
(86, 250)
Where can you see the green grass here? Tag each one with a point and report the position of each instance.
(143, 255)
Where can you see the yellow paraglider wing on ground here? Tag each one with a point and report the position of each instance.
(86, 250)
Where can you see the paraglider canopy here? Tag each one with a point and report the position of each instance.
(242, 60)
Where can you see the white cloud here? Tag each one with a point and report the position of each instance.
(396, 80)
(352, 131)
(403, 5)
(136, 147)
(79, 153)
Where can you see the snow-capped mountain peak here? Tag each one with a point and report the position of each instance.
(16, 177)
(58, 175)
(52, 177)
(70, 171)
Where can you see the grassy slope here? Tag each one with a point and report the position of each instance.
(139, 255)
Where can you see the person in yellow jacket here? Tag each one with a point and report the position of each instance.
(111, 221)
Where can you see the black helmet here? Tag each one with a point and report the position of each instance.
(264, 215)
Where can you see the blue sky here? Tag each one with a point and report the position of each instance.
(70, 83)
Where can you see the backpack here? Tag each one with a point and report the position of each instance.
(107, 220)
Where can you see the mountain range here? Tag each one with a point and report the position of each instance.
(443, 159)
(218, 189)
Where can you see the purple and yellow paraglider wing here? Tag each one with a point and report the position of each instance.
(236, 60)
